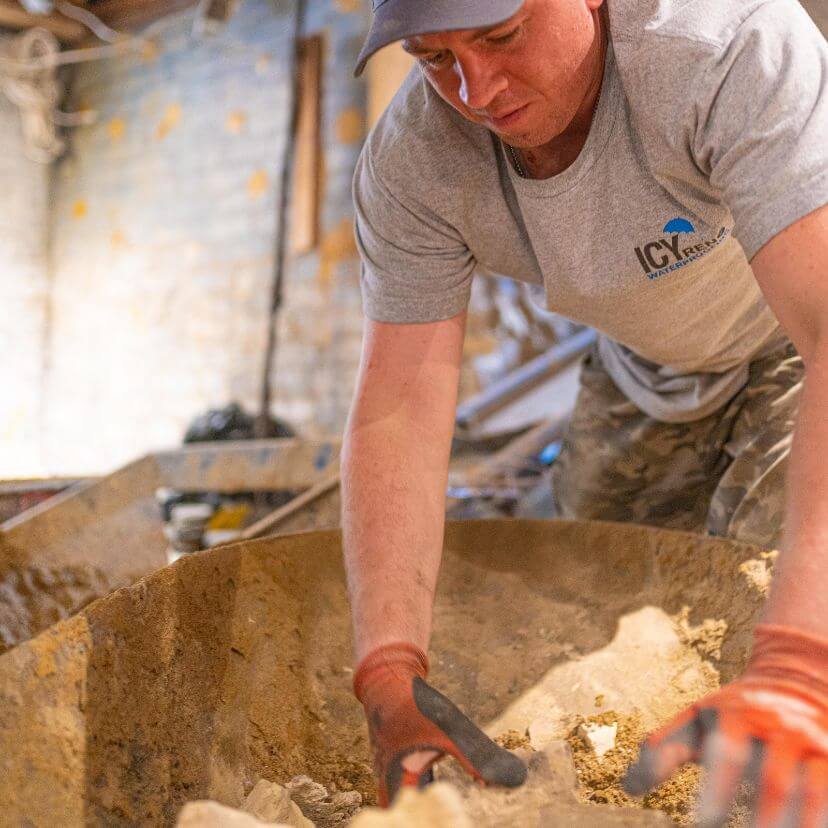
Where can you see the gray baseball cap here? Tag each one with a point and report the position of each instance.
(398, 19)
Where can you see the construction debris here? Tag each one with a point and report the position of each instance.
(600, 777)
(326, 810)
(270, 802)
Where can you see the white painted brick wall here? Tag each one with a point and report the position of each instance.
(164, 224)
(24, 284)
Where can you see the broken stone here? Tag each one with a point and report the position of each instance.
(323, 809)
(270, 803)
(599, 738)
(759, 571)
(544, 728)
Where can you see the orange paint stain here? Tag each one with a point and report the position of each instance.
(257, 183)
(235, 121)
(79, 209)
(116, 128)
(171, 119)
(150, 51)
(338, 245)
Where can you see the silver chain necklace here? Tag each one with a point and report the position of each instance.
(516, 161)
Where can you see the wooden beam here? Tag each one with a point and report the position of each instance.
(134, 14)
(267, 523)
(14, 16)
(304, 226)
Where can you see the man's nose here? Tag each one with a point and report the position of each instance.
(480, 82)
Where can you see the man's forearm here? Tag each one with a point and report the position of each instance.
(394, 479)
(799, 597)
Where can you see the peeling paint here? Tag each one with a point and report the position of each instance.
(337, 244)
(257, 183)
(235, 122)
(79, 209)
(172, 116)
(350, 126)
(116, 127)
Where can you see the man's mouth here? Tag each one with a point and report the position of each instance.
(507, 117)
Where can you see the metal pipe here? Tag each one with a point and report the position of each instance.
(523, 379)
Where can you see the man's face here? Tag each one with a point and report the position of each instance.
(525, 78)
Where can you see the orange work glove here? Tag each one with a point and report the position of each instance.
(406, 715)
(769, 727)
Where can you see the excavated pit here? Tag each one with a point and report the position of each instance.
(235, 664)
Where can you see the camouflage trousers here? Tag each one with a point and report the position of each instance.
(723, 474)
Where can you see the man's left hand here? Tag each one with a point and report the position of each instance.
(769, 727)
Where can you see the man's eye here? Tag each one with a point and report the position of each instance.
(504, 38)
(437, 59)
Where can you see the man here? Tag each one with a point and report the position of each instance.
(660, 166)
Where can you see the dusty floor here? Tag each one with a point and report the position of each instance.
(235, 664)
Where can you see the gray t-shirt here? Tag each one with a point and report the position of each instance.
(709, 137)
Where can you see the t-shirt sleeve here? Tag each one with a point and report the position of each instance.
(762, 122)
(415, 266)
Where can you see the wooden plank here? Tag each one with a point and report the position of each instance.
(257, 465)
(14, 16)
(304, 227)
(267, 523)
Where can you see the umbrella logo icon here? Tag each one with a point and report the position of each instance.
(679, 225)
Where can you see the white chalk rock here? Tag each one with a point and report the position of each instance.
(439, 805)
(599, 738)
(545, 727)
(270, 803)
(208, 814)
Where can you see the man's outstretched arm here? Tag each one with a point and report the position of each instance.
(792, 270)
(394, 474)
(771, 724)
